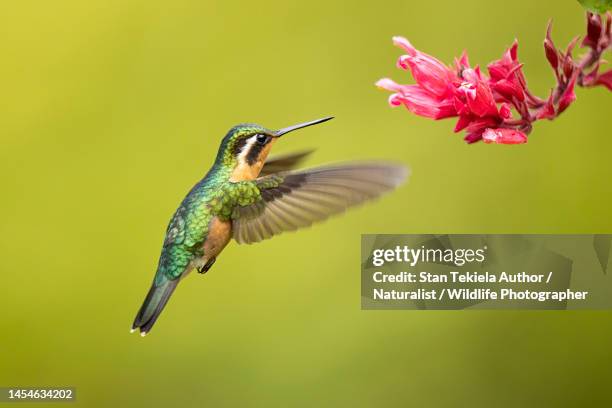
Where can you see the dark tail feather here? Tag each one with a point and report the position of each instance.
(153, 305)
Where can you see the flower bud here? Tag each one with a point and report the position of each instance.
(551, 54)
(593, 30)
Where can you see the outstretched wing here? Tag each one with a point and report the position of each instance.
(297, 199)
(286, 162)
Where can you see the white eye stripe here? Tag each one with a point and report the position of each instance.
(247, 147)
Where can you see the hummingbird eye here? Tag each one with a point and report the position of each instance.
(261, 139)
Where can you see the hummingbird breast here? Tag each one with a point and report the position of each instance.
(219, 234)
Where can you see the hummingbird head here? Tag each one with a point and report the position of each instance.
(246, 146)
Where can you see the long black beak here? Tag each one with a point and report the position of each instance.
(301, 125)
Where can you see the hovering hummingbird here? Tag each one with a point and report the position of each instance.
(248, 198)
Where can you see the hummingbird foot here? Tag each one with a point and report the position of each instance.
(204, 268)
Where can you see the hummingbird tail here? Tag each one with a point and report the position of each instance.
(153, 305)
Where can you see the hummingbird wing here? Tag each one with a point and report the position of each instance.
(293, 200)
(286, 162)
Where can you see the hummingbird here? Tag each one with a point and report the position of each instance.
(248, 197)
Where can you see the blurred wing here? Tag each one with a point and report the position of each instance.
(279, 164)
(293, 200)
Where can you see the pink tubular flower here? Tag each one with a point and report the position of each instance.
(417, 100)
(441, 92)
(431, 74)
(499, 108)
(504, 136)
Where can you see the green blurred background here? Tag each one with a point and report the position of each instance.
(111, 110)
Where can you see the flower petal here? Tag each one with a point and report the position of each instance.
(605, 79)
(389, 85)
(568, 95)
(462, 123)
(548, 110)
(429, 72)
(504, 136)
(477, 94)
(403, 43)
(420, 102)
(505, 111)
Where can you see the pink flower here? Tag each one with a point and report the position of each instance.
(498, 108)
(431, 74)
(504, 136)
(441, 92)
(417, 100)
(506, 76)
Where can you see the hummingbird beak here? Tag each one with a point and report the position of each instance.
(281, 132)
